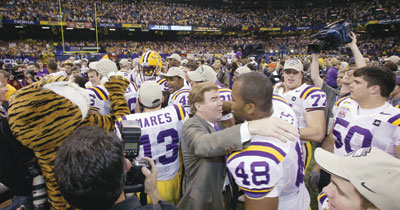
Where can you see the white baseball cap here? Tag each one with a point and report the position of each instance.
(124, 62)
(150, 94)
(104, 66)
(294, 64)
(242, 70)
(184, 61)
(174, 72)
(175, 56)
(394, 58)
(374, 173)
(203, 73)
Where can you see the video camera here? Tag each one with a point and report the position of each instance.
(331, 37)
(131, 132)
(17, 75)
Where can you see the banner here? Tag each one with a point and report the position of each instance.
(159, 27)
(52, 23)
(131, 25)
(78, 25)
(181, 28)
(119, 25)
(206, 29)
(26, 22)
(270, 29)
(10, 60)
(389, 21)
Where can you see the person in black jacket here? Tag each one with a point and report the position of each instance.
(14, 161)
(90, 169)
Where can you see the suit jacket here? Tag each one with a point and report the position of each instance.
(205, 168)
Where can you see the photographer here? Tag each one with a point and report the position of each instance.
(91, 171)
(14, 172)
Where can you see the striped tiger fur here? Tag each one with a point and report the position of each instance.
(41, 119)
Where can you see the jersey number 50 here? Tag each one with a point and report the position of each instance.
(367, 135)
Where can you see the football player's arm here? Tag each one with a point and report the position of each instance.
(358, 57)
(315, 71)
(316, 126)
(205, 144)
(227, 106)
(398, 151)
(264, 204)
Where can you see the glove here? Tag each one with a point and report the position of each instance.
(313, 179)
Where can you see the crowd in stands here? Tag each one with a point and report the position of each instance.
(374, 47)
(167, 13)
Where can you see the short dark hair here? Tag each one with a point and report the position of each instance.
(391, 66)
(36, 65)
(52, 66)
(93, 70)
(256, 88)
(80, 81)
(380, 76)
(90, 168)
(75, 68)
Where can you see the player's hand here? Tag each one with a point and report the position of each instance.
(274, 127)
(353, 42)
(150, 183)
(313, 179)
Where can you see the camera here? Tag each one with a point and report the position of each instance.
(331, 37)
(18, 75)
(131, 132)
(39, 193)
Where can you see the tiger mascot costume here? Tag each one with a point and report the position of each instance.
(44, 113)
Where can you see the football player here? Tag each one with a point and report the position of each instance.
(307, 101)
(270, 172)
(124, 65)
(178, 93)
(365, 118)
(98, 94)
(160, 137)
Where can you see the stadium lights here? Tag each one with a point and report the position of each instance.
(276, 51)
(45, 27)
(112, 29)
(131, 29)
(19, 27)
(69, 28)
(292, 51)
(92, 29)
(271, 51)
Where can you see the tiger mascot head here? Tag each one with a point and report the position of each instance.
(44, 113)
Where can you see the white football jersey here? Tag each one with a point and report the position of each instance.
(163, 83)
(305, 98)
(270, 168)
(125, 74)
(356, 128)
(132, 96)
(323, 201)
(225, 94)
(160, 138)
(181, 97)
(99, 98)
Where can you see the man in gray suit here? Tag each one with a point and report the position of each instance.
(203, 148)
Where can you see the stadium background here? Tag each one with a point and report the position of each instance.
(284, 30)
